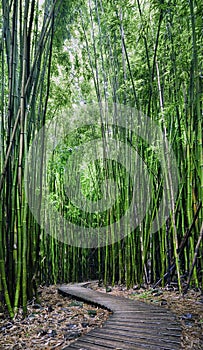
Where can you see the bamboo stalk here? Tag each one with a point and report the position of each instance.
(194, 259)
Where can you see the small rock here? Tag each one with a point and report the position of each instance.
(16, 347)
(50, 308)
(124, 288)
(84, 324)
(65, 309)
(37, 306)
(169, 288)
(71, 326)
(186, 317)
(8, 325)
(59, 304)
(52, 333)
(42, 332)
(136, 287)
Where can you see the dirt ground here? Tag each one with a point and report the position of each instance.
(56, 321)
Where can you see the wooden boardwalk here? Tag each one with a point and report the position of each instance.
(133, 325)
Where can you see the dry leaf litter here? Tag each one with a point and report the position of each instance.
(53, 324)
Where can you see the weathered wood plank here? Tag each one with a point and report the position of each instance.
(133, 339)
(138, 333)
(145, 329)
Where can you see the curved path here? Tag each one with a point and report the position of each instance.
(133, 325)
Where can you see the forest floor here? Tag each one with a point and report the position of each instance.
(57, 321)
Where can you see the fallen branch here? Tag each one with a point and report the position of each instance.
(181, 246)
(194, 259)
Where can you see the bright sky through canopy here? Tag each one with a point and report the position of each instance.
(41, 2)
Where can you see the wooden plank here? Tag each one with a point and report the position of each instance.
(134, 340)
(149, 321)
(132, 323)
(132, 332)
(138, 328)
(112, 344)
(88, 346)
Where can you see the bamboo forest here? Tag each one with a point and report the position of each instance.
(101, 151)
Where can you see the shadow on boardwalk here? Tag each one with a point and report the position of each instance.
(133, 325)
